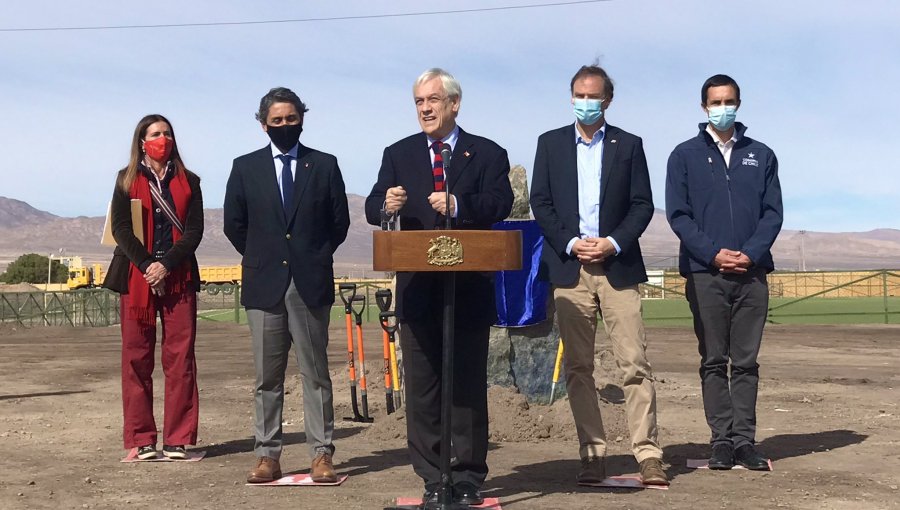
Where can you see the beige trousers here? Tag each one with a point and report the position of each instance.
(620, 309)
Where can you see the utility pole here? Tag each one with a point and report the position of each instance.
(49, 263)
(47, 291)
(802, 234)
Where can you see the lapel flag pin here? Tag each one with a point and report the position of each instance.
(466, 154)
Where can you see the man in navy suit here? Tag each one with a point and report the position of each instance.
(591, 196)
(286, 213)
(410, 189)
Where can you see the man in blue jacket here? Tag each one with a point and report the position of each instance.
(723, 201)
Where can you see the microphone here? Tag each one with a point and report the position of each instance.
(445, 158)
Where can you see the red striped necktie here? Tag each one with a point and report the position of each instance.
(438, 169)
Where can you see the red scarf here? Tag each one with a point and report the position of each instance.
(142, 304)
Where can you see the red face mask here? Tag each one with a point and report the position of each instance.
(159, 148)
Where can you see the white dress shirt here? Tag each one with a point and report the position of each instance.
(724, 147)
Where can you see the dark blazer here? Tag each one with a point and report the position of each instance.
(276, 249)
(626, 203)
(129, 250)
(479, 179)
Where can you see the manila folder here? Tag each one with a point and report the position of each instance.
(136, 221)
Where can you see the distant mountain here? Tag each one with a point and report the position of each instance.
(15, 213)
(36, 231)
(24, 229)
(881, 234)
(875, 249)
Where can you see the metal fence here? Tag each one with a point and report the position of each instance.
(100, 307)
(222, 302)
(796, 297)
(851, 295)
(814, 297)
(87, 307)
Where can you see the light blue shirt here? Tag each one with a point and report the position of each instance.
(276, 156)
(589, 155)
(450, 140)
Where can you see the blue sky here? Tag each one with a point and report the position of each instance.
(819, 83)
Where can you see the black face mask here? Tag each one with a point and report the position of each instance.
(285, 136)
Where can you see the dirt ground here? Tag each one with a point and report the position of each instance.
(828, 417)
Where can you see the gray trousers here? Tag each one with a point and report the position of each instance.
(729, 315)
(274, 331)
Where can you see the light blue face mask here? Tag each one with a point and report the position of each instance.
(588, 111)
(722, 117)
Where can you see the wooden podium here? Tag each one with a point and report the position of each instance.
(447, 251)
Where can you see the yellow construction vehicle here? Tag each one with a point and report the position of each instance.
(220, 274)
(81, 276)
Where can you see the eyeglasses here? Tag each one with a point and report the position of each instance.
(431, 100)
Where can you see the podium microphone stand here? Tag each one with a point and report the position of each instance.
(447, 251)
(445, 491)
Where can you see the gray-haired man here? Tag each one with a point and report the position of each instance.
(410, 183)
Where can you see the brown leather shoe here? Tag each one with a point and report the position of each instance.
(267, 470)
(652, 472)
(322, 470)
(592, 471)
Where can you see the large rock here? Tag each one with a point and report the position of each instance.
(499, 367)
(518, 179)
(523, 358)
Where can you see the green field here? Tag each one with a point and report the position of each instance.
(675, 312)
(671, 312)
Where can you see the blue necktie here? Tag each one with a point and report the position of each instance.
(287, 183)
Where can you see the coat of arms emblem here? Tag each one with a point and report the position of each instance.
(444, 251)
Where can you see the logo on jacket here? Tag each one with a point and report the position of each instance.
(750, 160)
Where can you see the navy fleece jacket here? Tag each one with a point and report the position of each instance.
(711, 206)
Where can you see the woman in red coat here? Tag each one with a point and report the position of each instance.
(157, 275)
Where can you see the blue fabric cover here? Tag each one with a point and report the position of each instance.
(522, 298)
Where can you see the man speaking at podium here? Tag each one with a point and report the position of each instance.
(411, 190)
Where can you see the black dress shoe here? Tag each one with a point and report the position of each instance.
(748, 457)
(722, 457)
(466, 493)
(430, 497)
